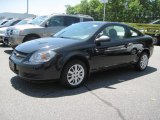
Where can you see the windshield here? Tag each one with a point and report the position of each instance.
(38, 20)
(3, 22)
(80, 31)
(22, 22)
(155, 22)
(8, 23)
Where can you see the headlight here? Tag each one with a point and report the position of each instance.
(42, 56)
(16, 32)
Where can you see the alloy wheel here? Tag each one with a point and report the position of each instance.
(144, 61)
(75, 74)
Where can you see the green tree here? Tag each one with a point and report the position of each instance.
(140, 11)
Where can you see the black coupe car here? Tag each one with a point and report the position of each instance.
(71, 54)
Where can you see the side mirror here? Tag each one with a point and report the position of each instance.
(47, 24)
(103, 38)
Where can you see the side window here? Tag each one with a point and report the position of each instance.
(132, 33)
(87, 19)
(70, 20)
(114, 32)
(56, 21)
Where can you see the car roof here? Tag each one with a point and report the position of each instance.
(76, 15)
(106, 22)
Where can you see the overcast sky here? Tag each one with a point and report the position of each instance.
(37, 7)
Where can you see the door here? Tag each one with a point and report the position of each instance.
(114, 52)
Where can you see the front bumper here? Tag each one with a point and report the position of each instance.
(13, 40)
(46, 71)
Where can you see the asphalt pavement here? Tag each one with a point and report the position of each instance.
(117, 94)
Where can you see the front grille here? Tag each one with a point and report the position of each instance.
(11, 32)
(19, 55)
(7, 32)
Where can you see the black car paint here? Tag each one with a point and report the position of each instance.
(95, 56)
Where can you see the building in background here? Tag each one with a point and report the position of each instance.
(16, 15)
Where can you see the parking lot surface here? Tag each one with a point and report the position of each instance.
(117, 94)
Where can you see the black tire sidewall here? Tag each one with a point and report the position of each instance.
(64, 80)
(30, 38)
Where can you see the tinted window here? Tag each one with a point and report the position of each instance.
(4, 22)
(133, 33)
(15, 22)
(114, 32)
(87, 19)
(56, 21)
(70, 20)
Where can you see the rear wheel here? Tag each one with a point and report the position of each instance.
(74, 74)
(143, 62)
(155, 40)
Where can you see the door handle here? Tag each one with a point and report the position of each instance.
(129, 45)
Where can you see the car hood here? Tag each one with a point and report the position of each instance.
(44, 43)
(25, 26)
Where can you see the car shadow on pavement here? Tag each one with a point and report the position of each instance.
(103, 79)
(8, 51)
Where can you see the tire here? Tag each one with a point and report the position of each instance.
(142, 63)
(31, 37)
(155, 40)
(69, 77)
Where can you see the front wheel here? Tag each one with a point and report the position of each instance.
(143, 62)
(74, 74)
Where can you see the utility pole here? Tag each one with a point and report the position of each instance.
(104, 9)
(27, 6)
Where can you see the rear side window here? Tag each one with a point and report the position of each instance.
(132, 33)
(68, 20)
(87, 19)
(56, 21)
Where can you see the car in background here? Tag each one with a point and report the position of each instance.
(10, 23)
(155, 22)
(42, 26)
(156, 37)
(7, 30)
(2, 22)
(73, 53)
(4, 27)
